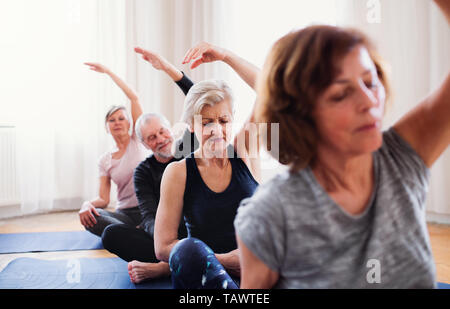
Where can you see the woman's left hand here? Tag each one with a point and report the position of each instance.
(204, 52)
(97, 67)
(231, 262)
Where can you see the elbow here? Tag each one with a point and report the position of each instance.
(160, 256)
(104, 202)
(161, 253)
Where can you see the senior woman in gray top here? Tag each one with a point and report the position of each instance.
(351, 211)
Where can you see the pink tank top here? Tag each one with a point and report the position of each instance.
(121, 171)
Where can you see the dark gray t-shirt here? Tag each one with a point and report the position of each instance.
(297, 230)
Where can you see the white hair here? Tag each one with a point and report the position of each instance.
(146, 118)
(207, 92)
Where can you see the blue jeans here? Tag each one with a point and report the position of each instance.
(195, 266)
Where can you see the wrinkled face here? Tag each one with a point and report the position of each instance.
(157, 137)
(215, 129)
(118, 123)
(349, 113)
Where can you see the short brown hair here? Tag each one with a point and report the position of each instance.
(298, 69)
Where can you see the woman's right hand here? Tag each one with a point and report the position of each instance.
(86, 214)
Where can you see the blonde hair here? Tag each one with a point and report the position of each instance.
(114, 109)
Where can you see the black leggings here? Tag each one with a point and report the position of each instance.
(129, 243)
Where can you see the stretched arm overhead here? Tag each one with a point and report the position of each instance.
(161, 64)
(205, 52)
(184, 82)
(136, 109)
(427, 127)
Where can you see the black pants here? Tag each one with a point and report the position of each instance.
(121, 237)
(129, 243)
(128, 216)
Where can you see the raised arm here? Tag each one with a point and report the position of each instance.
(136, 109)
(205, 52)
(160, 63)
(246, 142)
(427, 127)
(170, 209)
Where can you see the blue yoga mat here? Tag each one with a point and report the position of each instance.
(49, 241)
(83, 273)
(444, 286)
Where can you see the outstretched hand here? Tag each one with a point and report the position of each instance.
(157, 61)
(203, 53)
(97, 67)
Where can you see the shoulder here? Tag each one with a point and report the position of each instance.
(284, 193)
(104, 161)
(105, 156)
(267, 198)
(177, 166)
(175, 171)
(398, 156)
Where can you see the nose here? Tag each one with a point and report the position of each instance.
(215, 129)
(160, 138)
(366, 98)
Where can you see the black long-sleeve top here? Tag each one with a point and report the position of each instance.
(148, 174)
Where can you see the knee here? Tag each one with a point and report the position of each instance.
(110, 236)
(188, 251)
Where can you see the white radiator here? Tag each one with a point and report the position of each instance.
(9, 193)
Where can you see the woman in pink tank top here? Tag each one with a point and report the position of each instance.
(116, 165)
(119, 164)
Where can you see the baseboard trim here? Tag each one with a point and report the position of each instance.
(59, 205)
(432, 217)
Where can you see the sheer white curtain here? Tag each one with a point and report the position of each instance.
(439, 35)
(55, 102)
(58, 105)
(171, 27)
(248, 28)
(411, 35)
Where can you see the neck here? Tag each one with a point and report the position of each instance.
(210, 160)
(122, 140)
(334, 170)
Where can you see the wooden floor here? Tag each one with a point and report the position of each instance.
(68, 221)
(55, 222)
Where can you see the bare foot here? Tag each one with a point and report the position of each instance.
(140, 271)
